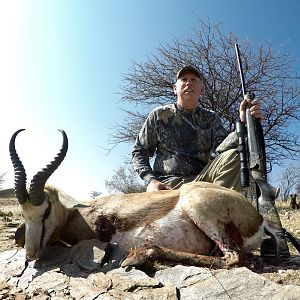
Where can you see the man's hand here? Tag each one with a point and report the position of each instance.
(156, 185)
(255, 110)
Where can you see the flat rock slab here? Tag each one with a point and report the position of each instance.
(237, 283)
(84, 272)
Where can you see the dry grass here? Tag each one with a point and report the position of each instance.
(290, 219)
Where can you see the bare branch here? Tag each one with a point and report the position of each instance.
(269, 74)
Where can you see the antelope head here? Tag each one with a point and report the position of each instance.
(37, 203)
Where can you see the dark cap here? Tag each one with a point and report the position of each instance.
(191, 69)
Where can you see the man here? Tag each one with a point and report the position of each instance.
(183, 137)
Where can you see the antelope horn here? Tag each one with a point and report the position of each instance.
(19, 171)
(37, 195)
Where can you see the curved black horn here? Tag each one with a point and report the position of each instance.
(39, 180)
(19, 171)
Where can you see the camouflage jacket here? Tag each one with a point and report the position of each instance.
(181, 141)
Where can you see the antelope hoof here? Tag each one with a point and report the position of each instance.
(139, 257)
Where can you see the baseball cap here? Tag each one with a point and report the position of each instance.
(191, 69)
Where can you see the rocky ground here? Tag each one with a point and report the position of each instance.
(287, 273)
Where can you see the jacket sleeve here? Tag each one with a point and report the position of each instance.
(144, 148)
(229, 141)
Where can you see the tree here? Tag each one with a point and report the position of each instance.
(94, 194)
(298, 188)
(268, 73)
(288, 181)
(2, 180)
(124, 181)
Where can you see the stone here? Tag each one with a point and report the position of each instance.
(91, 271)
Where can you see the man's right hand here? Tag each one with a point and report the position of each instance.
(156, 185)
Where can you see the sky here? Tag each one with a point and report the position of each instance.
(61, 66)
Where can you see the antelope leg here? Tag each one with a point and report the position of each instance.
(140, 256)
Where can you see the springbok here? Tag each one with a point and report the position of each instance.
(185, 225)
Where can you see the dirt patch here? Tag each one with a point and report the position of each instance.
(286, 273)
(10, 219)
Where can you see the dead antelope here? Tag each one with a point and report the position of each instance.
(184, 225)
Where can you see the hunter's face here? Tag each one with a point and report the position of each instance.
(188, 88)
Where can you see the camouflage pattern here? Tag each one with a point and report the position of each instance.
(182, 142)
(230, 142)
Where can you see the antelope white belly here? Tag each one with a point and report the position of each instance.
(175, 231)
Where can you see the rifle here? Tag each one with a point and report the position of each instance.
(252, 153)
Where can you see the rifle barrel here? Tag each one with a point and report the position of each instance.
(238, 56)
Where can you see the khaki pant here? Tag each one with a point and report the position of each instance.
(224, 170)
